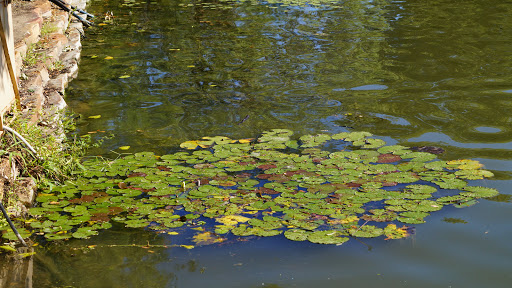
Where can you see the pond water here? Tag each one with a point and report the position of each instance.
(411, 72)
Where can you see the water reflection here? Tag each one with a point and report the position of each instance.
(201, 71)
(17, 269)
(112, 259)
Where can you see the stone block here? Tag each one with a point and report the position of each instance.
(56, 101)
(43, 8)
(59, 83)
(33, 31)
(61, 20)
(19, 53)
(26, 191)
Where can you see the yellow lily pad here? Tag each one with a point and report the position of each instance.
(191, 145)
(232, 219)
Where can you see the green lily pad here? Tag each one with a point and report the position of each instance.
(374, 143)
(136, 223)
(366, 231)
(296, 235)
(451, 183)
(314, 140)
(327, 237)
(479, 192)
(84, 232)
(9, 234)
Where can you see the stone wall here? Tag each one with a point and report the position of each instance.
(40, 86)
(41, 24)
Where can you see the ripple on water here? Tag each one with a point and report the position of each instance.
(393, 119)
(434, 137)
(369, 87)
(485, 129)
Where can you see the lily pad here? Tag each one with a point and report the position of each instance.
(480, 192)
(85, 232)
(327, 237)
(366, 231)
(296, 235)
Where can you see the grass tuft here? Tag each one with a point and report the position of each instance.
(58, 158)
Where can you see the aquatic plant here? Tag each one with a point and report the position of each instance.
(272, 185)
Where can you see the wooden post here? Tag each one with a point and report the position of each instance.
(8, 84)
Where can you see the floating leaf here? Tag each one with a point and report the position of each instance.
(124, 147)
(313, 141)
(366, 231)
(84, 232)
(465, 204)
(232, 220)
(480, 192)
(95, 117)
(418, 188)
(465, 164)
(471, 174)
(189, 145)
(327, 237)
(393, 232)
(450, 183)
(296, 235)
(206, 238)
(248, 140)
(374, 143)
(136, 223)
(454, 220)
(388, 158)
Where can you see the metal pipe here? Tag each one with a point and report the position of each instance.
(8, 129)
(12, 225)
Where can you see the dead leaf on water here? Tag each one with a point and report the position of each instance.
(207, 238)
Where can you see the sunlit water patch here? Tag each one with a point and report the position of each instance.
(488, 129)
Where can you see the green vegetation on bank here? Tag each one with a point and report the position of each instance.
(57, 156)
(56, 159)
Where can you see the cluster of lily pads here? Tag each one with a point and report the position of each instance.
(267, 186)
